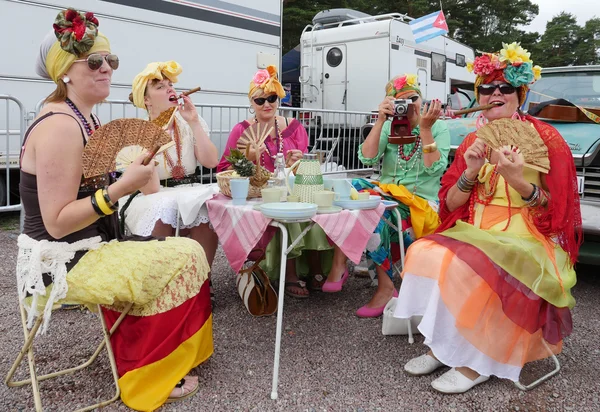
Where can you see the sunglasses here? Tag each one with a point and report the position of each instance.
(261, 100)
(95, 61)
(489, 89)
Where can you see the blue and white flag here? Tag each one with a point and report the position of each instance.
(428, 27)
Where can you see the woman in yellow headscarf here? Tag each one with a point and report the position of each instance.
(156, 212)
(70, 222)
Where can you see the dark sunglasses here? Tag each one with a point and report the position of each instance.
(488, 89)
(261, 100)
(95, 61)
(414, 98)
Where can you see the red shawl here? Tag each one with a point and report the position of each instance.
(562, 217)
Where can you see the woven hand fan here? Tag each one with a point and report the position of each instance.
(521, 135)
(165, 118)
(128, 154)
(254, 136)
(101, 150)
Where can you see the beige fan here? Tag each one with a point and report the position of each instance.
(254, 136)
(128, 154)
(101, 150)
(518, 135)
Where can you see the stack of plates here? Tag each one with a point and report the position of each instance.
(289, 210)
(370, 203)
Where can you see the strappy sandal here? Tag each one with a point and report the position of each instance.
(184, 395)
(316, 282)
(298, 284)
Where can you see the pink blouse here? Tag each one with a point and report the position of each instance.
(294, 137)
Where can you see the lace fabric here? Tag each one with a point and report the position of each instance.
(38, 257)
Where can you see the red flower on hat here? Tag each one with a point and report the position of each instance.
(89, 16)
(71, 14)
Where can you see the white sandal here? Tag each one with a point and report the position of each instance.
(455, 382)
(181, 387)
(422, 365)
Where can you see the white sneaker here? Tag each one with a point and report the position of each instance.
(455, 382)
(422, 365)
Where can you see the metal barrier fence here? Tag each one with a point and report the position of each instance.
(11, 137)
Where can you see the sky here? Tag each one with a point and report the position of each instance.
(582, 9)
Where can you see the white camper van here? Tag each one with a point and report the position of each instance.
(220, 45)
(347, 57)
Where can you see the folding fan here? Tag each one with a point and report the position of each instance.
(518, 135)
(254, 136)
(101, 150)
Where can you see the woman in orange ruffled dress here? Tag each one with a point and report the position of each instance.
(494, 284)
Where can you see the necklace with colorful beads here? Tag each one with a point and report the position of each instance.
(279, 142)
(86, 125)
(484, 197)
(415, 155)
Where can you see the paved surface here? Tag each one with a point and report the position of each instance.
(331, 360)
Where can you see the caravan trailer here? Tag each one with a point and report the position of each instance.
(220, 44)
(346, 62)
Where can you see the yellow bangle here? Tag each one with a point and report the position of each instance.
(430, 148)
(102, 203)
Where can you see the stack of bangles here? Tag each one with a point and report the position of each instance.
(464, 184)
(430, 148)
(102, 204)
(539, 197)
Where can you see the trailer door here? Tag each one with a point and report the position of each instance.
(335, 77)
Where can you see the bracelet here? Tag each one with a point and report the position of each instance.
(101, 203)
(107, 199)
(464, 184)
(96, 207)
(538, 197)
(533, 195)
(430, 148)
(488, 153)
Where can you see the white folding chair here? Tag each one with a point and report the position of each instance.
(544, 378)
(34, 379)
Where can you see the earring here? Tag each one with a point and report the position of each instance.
(251, 110)
(66, 79)
(481, 121)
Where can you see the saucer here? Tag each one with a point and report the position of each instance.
(328, 210)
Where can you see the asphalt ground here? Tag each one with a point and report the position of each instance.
(331, 360)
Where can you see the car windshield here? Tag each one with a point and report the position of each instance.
(580, 88)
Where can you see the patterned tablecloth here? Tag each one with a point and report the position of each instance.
(239, 228)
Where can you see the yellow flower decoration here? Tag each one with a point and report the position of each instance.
(412, 80)
(470, 67)
(514, 53)
(537, 72)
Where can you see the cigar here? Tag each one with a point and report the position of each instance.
(151, 155)
(194, 90)
(474, 109)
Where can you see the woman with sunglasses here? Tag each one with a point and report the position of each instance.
(154, 212)
(68, 251)
(410, 172)
(494, 284)
(288, 137)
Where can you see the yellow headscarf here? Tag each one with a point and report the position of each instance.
(266, 79)
(58, 61)
(156, 70)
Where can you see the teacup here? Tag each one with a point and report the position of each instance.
(239, 191)
(341, 187)
(271, 194)
(293, 199)
(323, 198)
(327, 183)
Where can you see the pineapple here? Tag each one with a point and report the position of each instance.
(241, 165)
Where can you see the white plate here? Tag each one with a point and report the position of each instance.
(370, 203)
(289, 210)
(329, 210)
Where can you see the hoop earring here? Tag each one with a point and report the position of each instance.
(251, 110)
(481, 121)
(66, 79)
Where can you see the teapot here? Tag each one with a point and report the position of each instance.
(308, 180)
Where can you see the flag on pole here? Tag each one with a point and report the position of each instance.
(428, 27)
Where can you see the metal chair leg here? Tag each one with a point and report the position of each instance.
(544, 378)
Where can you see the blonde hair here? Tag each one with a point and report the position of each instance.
(59, 94)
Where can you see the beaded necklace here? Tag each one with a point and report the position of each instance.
(484, 197)
(416, 153)
(86, 125)
(279, 142)
(178, 171)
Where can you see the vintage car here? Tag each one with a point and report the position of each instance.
(580, 86)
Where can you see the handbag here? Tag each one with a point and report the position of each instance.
(256, 291)
(397, 326)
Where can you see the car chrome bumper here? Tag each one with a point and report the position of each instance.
(590, 216)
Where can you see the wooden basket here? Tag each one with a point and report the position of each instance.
(223, 179)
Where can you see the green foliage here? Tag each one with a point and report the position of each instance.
(240, 163)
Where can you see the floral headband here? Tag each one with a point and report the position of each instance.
(76, 31)
(401, 84)
(266, 79)
(513, 61)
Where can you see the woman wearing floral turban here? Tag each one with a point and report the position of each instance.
(155, 212)
(69, 253)
(289, 137)
(410, 176)
(494, 283)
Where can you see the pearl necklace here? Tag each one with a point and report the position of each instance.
(86, 125)
(416, 153)
(279, 141)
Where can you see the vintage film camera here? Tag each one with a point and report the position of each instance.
(401, 132)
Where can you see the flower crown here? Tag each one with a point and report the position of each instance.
(513, 60)
(410, 80)
(76, 31)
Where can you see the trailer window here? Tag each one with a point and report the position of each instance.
(334, 57)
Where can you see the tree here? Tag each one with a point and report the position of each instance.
(559, 41)
(587, 50)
